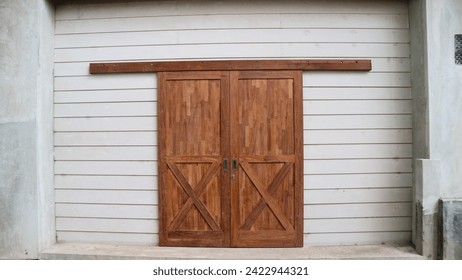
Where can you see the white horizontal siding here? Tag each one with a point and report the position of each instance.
(358, 151)
(107, 225)
(177, 8)
(87, 182)
(71, 210)
(357, 136)
(99, 138)
(319, 196)
(170, 37)
(358, 181)
(106, 153)
(95, 82)
(358, 225)
(220, 51)
(357, 166)
(132, 197)
(106, 168)
(358, 210)
(106, 109)
(113, 95)
(106, 124)
(379, 121)
(108, 237)
(357, 126)
(233, 21)
(358, 238)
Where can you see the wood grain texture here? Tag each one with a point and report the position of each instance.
(266, 118)
(141, 67)
(193, 142)
(197, 128)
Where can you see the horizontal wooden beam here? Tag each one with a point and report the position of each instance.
(228, 65)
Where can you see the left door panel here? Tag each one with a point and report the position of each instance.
(193, 147)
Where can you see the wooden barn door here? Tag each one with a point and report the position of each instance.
(230, 158)
(193, 144)
(267, 191)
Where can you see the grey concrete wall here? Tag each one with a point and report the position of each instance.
(26, 184)
(445, 117)
(437, 98)
(445, 93)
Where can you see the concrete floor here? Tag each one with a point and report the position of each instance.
(74, 251)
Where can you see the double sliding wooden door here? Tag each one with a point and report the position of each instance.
(230, 158)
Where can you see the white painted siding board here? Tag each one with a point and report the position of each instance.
(140, 197)
(232, 21)
(232, 36)
(358, 126)
(106, 225)
(87, 182)
(345, 196)
(118, 109)
(107, 211)
(125, 138)
(363, 93)
(168, 23)
(357, 238)
(106, 153)
(358, 210)
(68, 11)
(357, 121)
(357, 181)
(108, 237)
(316, 6)
(354, 166)
(348, 79)
(344, 21)
(358, 225)
(106, 124)
(106, 167)
(159, 8)
(402, 64)
(95, 96)
(98, 82)
(152, 8)
(358, 151)
(356, 107)
(357, 136)
(282, 50)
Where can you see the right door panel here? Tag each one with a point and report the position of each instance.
(266, 147)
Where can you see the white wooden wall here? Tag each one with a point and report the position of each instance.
(358, 131)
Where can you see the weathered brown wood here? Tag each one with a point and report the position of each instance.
(267, 193)
(193, 196)
(253, 118)
(192, 144)
(266, 196)
(262, 203)
(230, 65)
(298, 154)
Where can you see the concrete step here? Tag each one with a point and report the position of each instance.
(78, 251)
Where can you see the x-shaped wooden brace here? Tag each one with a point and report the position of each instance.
(194, 195)
(267, 198)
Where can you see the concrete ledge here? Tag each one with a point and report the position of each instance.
(74, 251)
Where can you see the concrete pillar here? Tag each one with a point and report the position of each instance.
(26, 150)
(437, 98)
